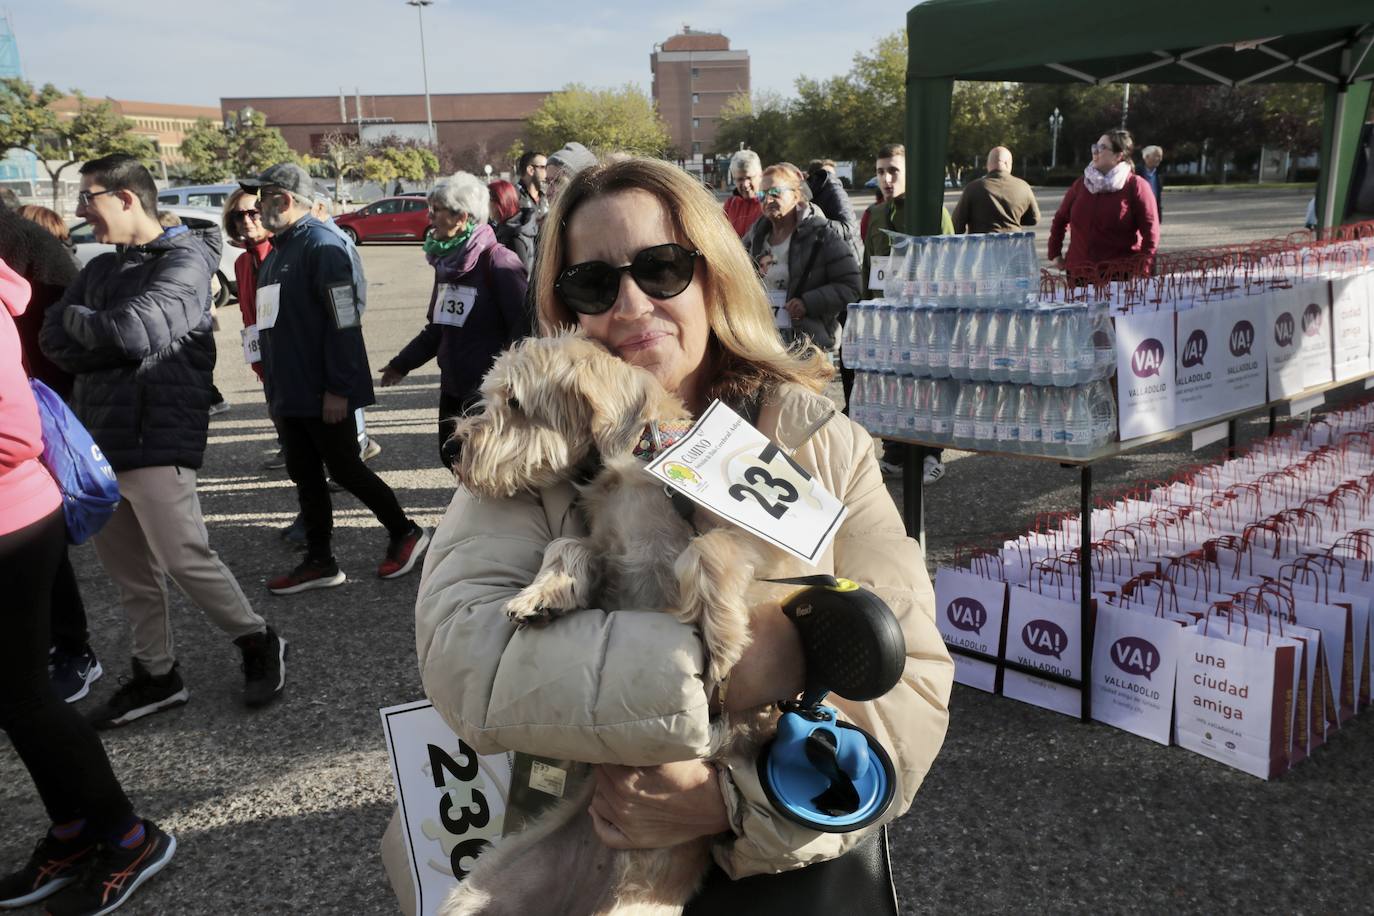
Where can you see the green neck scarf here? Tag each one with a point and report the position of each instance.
(441, 247)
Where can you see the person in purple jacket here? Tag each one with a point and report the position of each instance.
(476, 308)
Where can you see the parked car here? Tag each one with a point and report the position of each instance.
(388, 219)
(200, 195)
(222, 284)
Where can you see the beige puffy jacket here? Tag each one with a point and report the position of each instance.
(627, 687)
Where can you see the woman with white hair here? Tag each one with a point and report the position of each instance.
(743, 209)
(476, 308)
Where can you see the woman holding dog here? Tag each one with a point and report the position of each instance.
(476, 306)
(641, 258)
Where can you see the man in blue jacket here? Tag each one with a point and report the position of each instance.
(134, 330)
(316, 375)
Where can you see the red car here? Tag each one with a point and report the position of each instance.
(388, 219)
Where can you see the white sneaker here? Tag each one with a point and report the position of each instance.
(934, 470)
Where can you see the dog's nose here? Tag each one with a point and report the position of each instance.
(450, 451)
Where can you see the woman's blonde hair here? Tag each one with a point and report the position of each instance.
(746, 353)
(231, 203)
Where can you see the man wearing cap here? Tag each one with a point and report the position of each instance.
(316, 374)
(563, 165)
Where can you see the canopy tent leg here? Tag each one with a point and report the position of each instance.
(1343, 115)
(927, 139)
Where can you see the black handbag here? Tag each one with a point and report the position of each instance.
(860, 881)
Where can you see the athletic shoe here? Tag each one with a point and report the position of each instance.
(933, 470)
(114, 875)
(140, 695)
(309, 574)
(371, 450)
(73, 675)
(54, 864)
(219, 407)
(276, 461)
(294, 533)
(889, 468)
(264, 666)
(403, 553)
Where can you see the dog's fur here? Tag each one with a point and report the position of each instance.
(549, 405)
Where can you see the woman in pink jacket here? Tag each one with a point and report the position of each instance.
(1110, 212)
(95, 836)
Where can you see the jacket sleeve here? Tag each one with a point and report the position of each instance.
(174, 302)
(872, 549)
(574, 689)
(1032, 215)
(1061, 221)
(424, 346)
(1146, 217)
(345, 355)
(838, 270)
(960, 217)
(58, 345)
(510, 282)
(946, 223)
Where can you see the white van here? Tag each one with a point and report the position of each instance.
(198, 195)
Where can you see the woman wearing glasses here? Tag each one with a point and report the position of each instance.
(476, 308)
(808, 266)
(1110, 214)
(641, 258)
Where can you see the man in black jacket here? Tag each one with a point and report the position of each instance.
(134, 329)
(316, 375)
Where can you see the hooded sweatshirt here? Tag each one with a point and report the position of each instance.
(27, 491)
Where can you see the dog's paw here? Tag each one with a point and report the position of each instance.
(528, 609)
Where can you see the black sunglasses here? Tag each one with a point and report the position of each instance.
(662, 272)
(244, 214)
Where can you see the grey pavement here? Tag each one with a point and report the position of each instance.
(280, 810)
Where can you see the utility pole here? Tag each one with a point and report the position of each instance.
(1125, 104)
(424, 66)
(1056, 121)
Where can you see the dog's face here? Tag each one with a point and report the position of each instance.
(547, 402)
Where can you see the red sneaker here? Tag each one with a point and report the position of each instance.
(402, 555)
(309, 574)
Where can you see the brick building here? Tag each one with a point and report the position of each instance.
(476, 127)
(694, 75)
(166, 125)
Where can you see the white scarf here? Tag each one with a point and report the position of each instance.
(1114, 180)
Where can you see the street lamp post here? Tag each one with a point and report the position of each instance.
(424, 66)
(1056, 121)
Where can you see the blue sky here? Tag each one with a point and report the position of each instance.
(195, 51)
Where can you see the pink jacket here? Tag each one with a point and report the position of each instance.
(27, 491)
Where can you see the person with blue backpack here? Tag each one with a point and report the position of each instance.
(134, 328)
(97, 851)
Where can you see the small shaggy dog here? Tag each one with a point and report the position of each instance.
(550, 405)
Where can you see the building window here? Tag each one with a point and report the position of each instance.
(696, 122)
(696, 149)
(695, 72)
(696, 98)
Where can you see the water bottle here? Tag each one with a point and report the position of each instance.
(988, 283)
(1038, 344)
(1084, 349)
(1000, 321)
(958, 344)
(1103, 408)
(906, 407)
(882, 335)
(985, 415)
(942, 318)
(918, 330)
(868, 341)
(1018, 353)
(1062, 352)
(1104, 341)
(849, 336)
(947, 270)
(970, 263)
(920, 402)
(979, 358)
(1005, 431)
(964, 409)
(1023, 270)
(1078, 421)
(942, 397)
(924, 277)
(916, 256)
(889, 393)
(1052, 420)
(858, 399)
(900, 352)
(1028, 420)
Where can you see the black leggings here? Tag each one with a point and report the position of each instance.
(62, 752)
(69, 629)
(311, 446)
(451, 407)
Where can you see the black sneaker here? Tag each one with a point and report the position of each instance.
(140, 695)
(294, 533)
(114, 874)
(54, 864)
(264, 666)
(309, 574)
(73, 674)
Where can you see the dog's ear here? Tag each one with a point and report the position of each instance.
(618, 395)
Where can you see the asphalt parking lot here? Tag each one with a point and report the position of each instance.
(1025, 811)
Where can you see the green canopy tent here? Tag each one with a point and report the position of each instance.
(1229, 42)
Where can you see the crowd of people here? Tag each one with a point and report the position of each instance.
(128, 341)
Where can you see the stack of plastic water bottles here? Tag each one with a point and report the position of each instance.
(961, 352)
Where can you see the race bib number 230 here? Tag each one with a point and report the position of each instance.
(732, 469)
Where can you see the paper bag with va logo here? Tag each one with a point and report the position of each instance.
(1044, 631)
(1135, 657)
(970, 611)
